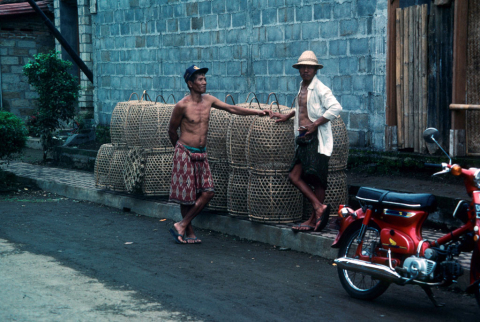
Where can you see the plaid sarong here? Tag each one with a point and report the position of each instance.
(190, 176)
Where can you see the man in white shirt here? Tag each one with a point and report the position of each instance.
(315, 107)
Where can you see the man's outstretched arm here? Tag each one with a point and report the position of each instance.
(237, 109)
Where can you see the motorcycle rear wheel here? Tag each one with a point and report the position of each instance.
(359, 285)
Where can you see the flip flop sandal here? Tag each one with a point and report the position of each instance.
(175, 235)
(323, 220)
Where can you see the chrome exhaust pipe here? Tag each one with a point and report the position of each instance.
(377, 271)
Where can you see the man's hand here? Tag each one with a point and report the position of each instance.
(265, 112)
(279, 117)
(308, 129)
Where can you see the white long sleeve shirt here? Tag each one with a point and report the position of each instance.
(320, 102)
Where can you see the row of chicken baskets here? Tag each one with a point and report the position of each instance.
(249, 157)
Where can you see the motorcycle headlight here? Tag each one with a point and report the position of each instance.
(476, 178)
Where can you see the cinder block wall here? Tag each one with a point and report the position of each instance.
(21, 37)
(249, 46)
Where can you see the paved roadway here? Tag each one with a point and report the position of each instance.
(68, 260)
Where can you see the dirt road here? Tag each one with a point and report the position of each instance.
(68, 260)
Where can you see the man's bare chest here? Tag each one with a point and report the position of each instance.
(302, 100)
(197, 115)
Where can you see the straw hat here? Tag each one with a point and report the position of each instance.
(308, 58)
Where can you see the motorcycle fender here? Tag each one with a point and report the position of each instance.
(475, 266)
(347, 225)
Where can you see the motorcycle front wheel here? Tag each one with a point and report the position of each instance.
(359, 285)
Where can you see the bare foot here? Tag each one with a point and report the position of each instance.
(189, 236)
(192, 240)
(306, 226)
(179, 238)
(180, 229)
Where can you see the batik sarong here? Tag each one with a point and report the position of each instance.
(190, 175)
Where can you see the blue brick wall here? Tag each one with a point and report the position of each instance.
(249, 46)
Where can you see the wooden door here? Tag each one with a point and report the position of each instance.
(473, 78)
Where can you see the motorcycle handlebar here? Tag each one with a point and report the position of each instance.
(433, 165)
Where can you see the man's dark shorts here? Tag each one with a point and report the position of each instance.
(313, 163)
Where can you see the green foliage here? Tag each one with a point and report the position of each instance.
(102, 134)
(32, 125)
(13, 133)
(81, 120)
(57, 91)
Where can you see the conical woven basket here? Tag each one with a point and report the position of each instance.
(237, 193)
(273, 199)
(117, 166)
(153, 132)
(119, 119)
(237, 133)
(134, 120)
(102, 165)
(217, 134)
(339, 157)
(134, 171)
(270, 146)
(158, 172)
(220, 172)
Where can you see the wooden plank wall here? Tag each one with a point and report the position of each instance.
(440, 69)
(473, 78)
(411, 76)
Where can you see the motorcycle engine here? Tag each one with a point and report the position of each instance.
(451, 270)
(419, 268)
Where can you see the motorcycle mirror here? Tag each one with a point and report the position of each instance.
(431, 135)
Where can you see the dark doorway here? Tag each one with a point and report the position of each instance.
(69, 30)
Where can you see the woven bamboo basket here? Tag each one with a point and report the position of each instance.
(117, 166)
(335, 195)
(237, 192)
(134, 171)
(217, 134)
(220, 172)
(270, 146)
(339, 157)
(153, 132)
(158, 172)
(273, 199)
(134, 120)
(102, 165)
(237, 133)
(119, 119)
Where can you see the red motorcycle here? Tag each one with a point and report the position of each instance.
(381, 242)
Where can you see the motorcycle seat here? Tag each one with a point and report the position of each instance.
(385, 198)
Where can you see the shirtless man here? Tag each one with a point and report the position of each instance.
(316, 107)
(192, 184)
